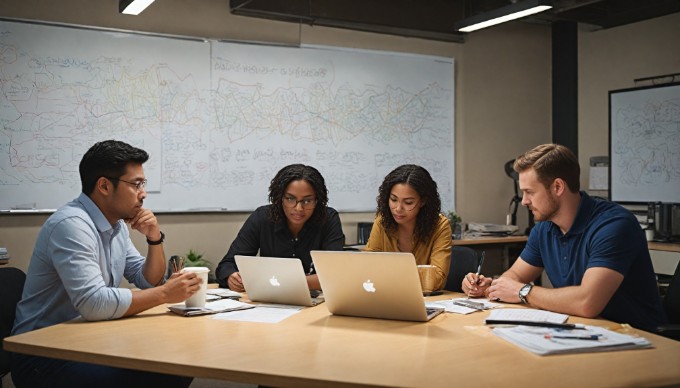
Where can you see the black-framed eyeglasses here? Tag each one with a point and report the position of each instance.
(307, 203)
(139, 185)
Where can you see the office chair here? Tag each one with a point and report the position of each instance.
(11, 286)
(671, 304)
(363, 232)
(463, 260)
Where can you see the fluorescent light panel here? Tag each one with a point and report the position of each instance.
(502, 15)
(134, 7)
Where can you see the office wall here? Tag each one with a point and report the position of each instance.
(502, 99)
(502, 105)
(611, 59)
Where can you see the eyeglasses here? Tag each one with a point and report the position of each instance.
(139, 185)
(307, 203)
(394, 204)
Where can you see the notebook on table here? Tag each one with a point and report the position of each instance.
(275, 280)
(372, 284)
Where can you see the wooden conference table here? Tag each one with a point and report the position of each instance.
(315, 348)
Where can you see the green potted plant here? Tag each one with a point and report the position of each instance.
(195, 259)
(455, 221)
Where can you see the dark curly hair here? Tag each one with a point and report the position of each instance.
(108, 159)
(296, 172)
(421, 181)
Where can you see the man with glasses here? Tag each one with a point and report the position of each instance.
(297, 221)
(80, 257)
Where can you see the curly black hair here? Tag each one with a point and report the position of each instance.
(109, 159)
(420, 180)
(296, 172)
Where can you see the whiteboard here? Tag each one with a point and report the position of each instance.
(644, 138)
(218, 119)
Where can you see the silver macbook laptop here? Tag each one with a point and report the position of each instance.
(372, 284)
(275, 280)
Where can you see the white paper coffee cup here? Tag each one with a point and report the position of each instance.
(198, 299)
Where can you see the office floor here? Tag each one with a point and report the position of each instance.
(197, 383)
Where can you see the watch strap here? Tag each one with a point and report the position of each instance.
(158, 242)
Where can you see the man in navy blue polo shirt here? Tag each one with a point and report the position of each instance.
(593, 251)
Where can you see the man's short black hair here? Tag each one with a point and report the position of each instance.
(109, 159)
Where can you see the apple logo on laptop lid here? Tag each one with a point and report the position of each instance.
(368, 286)
(274, 281)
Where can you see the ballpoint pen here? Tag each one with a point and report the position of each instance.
(587, 337)
(567, 326)
(479, 267)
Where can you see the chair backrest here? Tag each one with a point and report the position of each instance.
(463, 260)
(11, 286)
(363, 232)
(671, 302)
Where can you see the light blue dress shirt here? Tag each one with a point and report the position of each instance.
(77, 265)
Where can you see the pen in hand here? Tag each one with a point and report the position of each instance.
(479, 267)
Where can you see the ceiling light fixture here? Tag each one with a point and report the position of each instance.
(133, 7)
(513, 11)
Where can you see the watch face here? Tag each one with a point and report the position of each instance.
(525, 290)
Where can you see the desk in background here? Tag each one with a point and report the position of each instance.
(504, 249)
(314, 348)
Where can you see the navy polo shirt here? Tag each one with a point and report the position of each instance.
(604, 234)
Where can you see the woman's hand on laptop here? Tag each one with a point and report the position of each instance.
(313, 282)
(235, 283)
(474, 286)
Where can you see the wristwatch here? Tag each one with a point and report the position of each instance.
(158, 242)
(524, 291)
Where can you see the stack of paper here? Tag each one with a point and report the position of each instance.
(221, 293)
(545, 341)
(4, 256)
(219, 306)
(491, 229)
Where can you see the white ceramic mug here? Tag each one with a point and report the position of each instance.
(198, 299)
(649, 233)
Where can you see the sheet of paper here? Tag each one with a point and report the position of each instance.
(223, 293)
(599, 178)
(260, 314)
(451, 307)
(532, 315)
(223, 304)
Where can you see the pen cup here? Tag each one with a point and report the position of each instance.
(198, 299)
(427, 277)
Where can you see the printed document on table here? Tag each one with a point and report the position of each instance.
(457, 305)
(218, 306)
(546, 341)
(260, 314)
(527, 315)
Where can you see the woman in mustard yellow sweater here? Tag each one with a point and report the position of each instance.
(408, 219)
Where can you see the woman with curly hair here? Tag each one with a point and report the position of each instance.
(408, 219)
(296, 221)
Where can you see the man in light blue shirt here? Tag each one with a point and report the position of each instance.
(80, 257)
